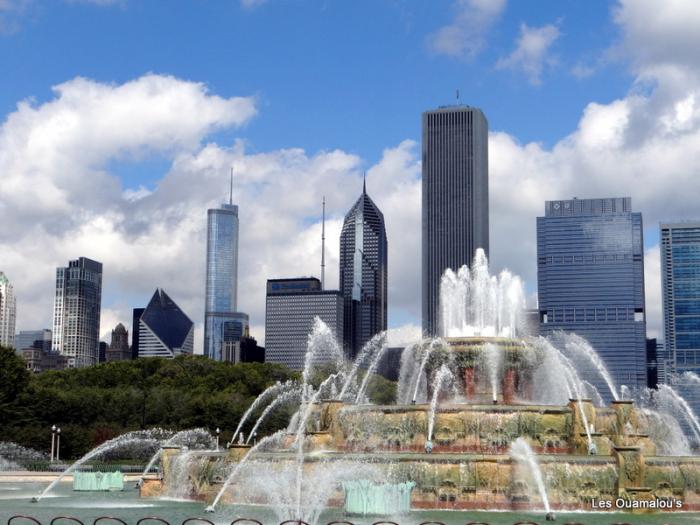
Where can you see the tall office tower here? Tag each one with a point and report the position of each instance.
(118, 349)
(590, 277)
(363, 273)
(76, 312)
(290, 310)
(8, 312)
(37, 339)
(164, 329)
(680, 285)
(222, 278)
(455, 219)
(135, 321)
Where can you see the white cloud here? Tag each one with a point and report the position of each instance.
(465, 35)
(659, 34)
(532, 52)
(60, 202)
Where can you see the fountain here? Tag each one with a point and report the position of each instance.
(476, 408)
(521, 452)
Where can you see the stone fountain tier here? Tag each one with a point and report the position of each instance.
(467, 354)
(477, 481)
(469, 466)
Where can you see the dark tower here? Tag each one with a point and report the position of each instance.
(455, 197)
(363, 273)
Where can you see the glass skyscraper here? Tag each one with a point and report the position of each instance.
(590, 277)
(455, 193)
(680, 282)
(363, 273)
(222, 280)
(76, 318)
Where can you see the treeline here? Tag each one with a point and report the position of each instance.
(92, 405)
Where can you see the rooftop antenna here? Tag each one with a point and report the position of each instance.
(323, 246)
(230, 191)
(458, 97)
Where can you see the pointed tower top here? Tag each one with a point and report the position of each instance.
(364, 183)
(230, 192)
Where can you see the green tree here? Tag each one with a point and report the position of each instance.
(14, 379)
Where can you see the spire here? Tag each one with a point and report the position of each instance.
(323, 246)
(230, 192)
(364, 183)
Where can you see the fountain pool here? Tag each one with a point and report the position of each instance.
(130, 507)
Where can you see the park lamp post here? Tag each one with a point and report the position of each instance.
(255, 438)
(218, 431)
(58, 443)
(53, 442)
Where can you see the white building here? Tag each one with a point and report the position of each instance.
(8, 312)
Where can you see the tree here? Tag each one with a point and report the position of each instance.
(14, 378)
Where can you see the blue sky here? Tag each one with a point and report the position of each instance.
(350, 75)
(593, 99)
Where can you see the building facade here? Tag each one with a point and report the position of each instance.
(164, 329)
(39, 360)
(33, 339)
(8, 312)
(455, 198)
(590, 277)
(118, 349)
(290, 310)
(680, 287)
(76, 318)
(363, 273)
(222, 279)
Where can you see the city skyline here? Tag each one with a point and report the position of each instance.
(129, 194)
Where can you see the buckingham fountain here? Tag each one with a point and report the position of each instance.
(486, 418)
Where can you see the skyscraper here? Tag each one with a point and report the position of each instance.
(8, 312)
(164, 329)
(680, 285)
(590, 277)
(455, 213)
(76, 317)
(222, 278)
(363, 273)
(290, 309)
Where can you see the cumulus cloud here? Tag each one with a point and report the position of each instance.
(645, 145)
(659, 35)
(465, 36)
(532, 52)
(59, 200)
